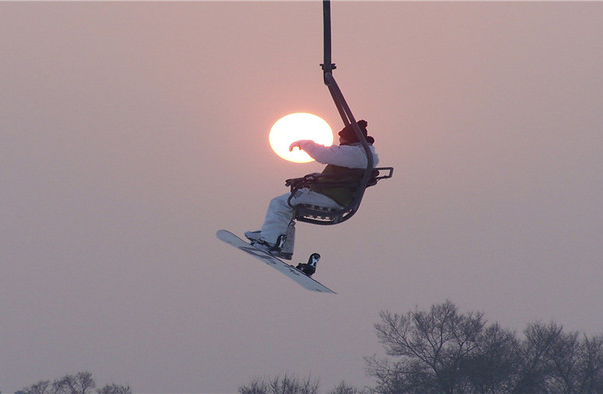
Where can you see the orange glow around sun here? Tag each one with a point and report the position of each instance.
(295, 127)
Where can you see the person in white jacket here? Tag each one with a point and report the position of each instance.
(343, 162)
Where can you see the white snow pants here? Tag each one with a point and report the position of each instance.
(279, 213)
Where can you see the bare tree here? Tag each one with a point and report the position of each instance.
(488, 368)
(433, 346)
(281, 385)
(535, 350)
(80, 383)
(444, 351)
(343, 388)
(591, 365)
(114, 389)
(554, 361)
(42, 387)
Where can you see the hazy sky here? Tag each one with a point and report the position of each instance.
(131, 132)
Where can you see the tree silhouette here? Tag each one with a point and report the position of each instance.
(437, 351)
(80, 383)
(281, 385)
(444, 351)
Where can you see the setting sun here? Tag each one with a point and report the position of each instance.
(295, 127)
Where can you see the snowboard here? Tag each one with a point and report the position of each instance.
(274, 262)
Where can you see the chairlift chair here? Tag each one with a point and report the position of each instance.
(370, 176)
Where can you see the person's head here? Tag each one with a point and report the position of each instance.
(348, 136)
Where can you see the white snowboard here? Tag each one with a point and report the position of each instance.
(274, 262)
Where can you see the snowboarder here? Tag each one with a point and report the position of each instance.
(341, 160)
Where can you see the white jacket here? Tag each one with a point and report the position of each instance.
(351, 156)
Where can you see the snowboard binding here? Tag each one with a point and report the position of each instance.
(309, 268)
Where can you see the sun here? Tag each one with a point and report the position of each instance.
(295, 127)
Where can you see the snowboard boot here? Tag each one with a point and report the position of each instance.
(253, 236)
(273, 250)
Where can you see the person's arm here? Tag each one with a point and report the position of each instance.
(339, 155)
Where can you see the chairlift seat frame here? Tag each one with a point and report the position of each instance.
(314, 214)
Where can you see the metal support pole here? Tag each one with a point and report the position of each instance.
(328, 65)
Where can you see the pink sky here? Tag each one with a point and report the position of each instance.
(131, 132)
